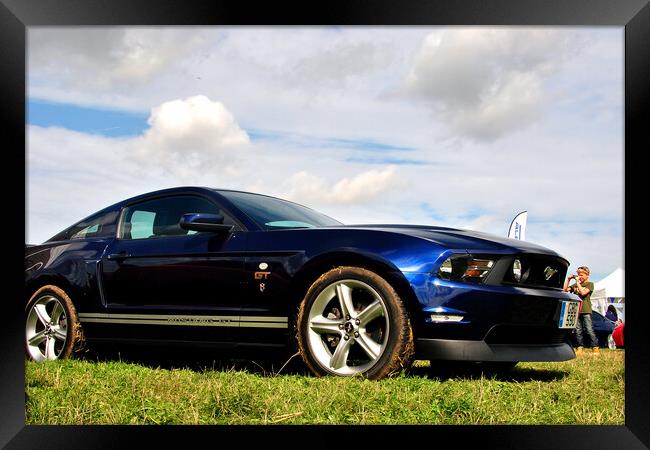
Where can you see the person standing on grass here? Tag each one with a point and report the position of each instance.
(583, 289)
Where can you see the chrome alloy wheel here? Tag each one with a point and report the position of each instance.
(46, 329)
(348, 327)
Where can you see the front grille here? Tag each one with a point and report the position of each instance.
(537, 271)
(526, 335)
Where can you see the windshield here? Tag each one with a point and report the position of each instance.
(272, 213)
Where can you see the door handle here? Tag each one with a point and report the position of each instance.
(118, 256)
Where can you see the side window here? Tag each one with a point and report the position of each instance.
(142, 224)
(98, 226)
(161, 217)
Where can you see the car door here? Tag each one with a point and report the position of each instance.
(162, 282)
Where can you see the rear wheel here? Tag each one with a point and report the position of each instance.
(352, 322)
(52, 328)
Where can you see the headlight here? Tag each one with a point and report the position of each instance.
(446, 267)
(516, 270)
(465, 268)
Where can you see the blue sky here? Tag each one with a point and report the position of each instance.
(460, 127)
(86, 120)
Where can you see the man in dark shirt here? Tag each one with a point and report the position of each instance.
(583, 288)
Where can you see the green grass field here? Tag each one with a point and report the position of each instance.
(586, 390)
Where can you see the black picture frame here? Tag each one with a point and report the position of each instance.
(16, 15)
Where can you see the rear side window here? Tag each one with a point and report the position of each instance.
(97, 226)
(161, 217)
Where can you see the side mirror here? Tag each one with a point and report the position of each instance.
(204, 222)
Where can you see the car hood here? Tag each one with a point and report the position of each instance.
(472, 241)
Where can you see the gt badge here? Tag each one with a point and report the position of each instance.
(262, 275)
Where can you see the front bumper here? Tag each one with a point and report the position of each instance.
(461, 350)
(494, 314)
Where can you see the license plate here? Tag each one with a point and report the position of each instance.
(568, 314)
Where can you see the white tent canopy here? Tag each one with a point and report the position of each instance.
(610, 289)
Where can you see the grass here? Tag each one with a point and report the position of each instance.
(586, 390)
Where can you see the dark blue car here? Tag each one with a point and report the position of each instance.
(215, 268)
(603, 329)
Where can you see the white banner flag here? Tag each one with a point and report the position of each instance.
(518, 226)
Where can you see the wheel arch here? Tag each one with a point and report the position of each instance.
(33, 285)
(320, 264)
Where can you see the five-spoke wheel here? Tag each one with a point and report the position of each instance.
(352, 322)
(50, 326)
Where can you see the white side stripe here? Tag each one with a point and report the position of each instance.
(262, 325)
(187, 320)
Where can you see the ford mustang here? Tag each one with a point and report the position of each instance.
(215, 268)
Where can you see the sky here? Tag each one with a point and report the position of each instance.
(449, 126)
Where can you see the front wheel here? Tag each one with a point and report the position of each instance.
(52, 328)
(352, 322)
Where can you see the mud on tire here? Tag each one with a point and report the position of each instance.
(352, 322)
(52, 329)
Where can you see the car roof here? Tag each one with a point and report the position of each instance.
(160, 192)
(181, 189)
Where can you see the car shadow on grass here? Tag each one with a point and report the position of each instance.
(446, 372)
(198, 361)
(281, 365)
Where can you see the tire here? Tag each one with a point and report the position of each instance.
(368, 334)
(52, 328)
(611, 344)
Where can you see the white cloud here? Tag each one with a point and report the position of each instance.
(194, 133)
(306, 187)
(513, 105)
(103, 58)
(485, 83)
(333, 67)
(195, 122)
